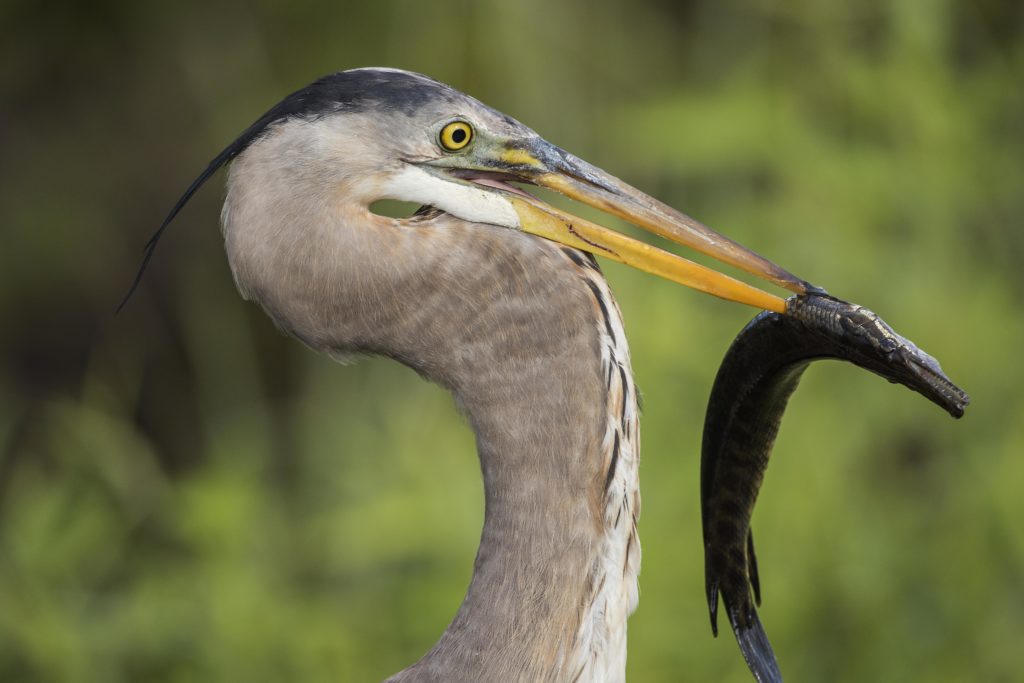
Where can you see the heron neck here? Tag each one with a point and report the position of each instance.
(527, 336)
(555, 575)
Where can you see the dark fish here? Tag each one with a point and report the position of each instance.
(758, 375)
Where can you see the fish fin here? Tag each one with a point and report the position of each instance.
(757, 651)
(755, 581)
(712, 592)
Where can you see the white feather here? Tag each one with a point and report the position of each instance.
(465, 200)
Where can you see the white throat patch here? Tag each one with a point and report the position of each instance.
(464, 200)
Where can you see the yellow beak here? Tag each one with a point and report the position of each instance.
(548, 166)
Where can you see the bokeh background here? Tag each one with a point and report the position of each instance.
(187, 495)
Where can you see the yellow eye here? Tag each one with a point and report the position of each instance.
(456, 135)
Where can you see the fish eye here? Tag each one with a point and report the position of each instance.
(455, 135)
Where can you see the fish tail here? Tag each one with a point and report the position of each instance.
(753, 642)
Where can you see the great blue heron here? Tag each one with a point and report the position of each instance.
(496, 296)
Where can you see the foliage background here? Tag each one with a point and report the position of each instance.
(187, 495)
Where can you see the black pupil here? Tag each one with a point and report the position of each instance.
(458, 135)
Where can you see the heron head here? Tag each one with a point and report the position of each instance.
(372, 134)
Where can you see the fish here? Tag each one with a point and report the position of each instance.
(759, 373)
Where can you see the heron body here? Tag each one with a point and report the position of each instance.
(495, 296)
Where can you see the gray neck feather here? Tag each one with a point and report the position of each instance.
(497, 317)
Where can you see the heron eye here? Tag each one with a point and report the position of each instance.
(456, 135)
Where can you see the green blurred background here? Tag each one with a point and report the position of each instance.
(186, 495)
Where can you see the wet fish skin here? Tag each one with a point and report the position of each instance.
(761, 370)
(861, 337)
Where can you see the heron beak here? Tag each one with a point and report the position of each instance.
(543, 164)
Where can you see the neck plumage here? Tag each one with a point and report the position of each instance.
(555, 575)
(528, 338)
